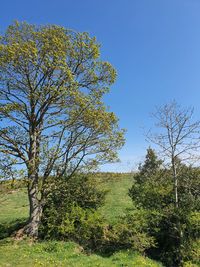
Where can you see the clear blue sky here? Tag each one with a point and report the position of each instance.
(153, 44)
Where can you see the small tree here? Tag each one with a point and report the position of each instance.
(53, 120)
(151, 164)
(179, 138)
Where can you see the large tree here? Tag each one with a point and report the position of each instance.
(52, 118)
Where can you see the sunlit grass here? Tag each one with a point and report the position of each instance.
(22, 254)
(13, 205)
(117, 199)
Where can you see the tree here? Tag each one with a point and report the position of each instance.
(53, 120)
(151, 187)
(151, 164)
(179, 138)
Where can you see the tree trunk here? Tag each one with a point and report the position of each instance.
(176, 191)
(35, 210)
(34, 194)
(175, 182)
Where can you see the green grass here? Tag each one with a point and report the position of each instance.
(13, 205)
(22, 254)
(14, 209)
(117, 199)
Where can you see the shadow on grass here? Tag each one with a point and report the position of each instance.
(8, 228)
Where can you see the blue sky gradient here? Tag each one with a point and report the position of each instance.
(154, 46)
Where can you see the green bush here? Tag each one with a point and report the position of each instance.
(130, 233)
(70, 212)
(175, 230)
(85, 226)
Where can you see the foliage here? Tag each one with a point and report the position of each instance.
(151, 165)
(175, 230)
(70, 211)
(71, 214)
(175, 237)
(130, 232)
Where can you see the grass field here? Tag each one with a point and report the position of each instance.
(117, 199)
(14, 209)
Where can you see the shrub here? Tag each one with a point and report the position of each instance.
(175, 229)
(70, 212)
(131, 232)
